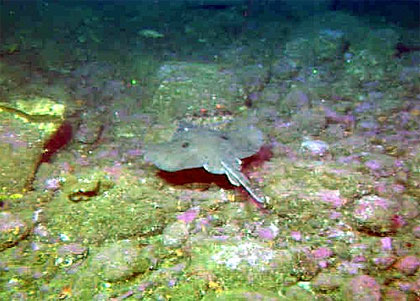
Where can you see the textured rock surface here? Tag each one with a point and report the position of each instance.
(375, 214)
(12, 229)
(362, 288)
(25, 128)
(119, 261)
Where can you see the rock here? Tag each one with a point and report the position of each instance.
(367, 125)
(89, 131)
(268, 233)
(284, 68)
(375, 214)
(409, 207)
(91, 82)
(12, 230)
(189, 216)
(322, 253)
(395, 295)
(175, 234)
(296, 293)
(297, 100)
(28, 127)
(233, 257)
(86, 186)
(416, 231)
(119, 260)
(314, 147)
(329, 45)
(335, 131)
(332, 198)
(69, 254)
(379, 165)
(326, 282)
(248, 257)
(309, 122)
(306, 266)
(384, 262)
(271, 96)
(252, 77)
(241, 294)
(362, 288)
(408, 265)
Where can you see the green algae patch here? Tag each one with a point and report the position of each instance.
(41, 112)
(190, 287)
(118, 261)
(94, 212)
(41, 106)
(243, 294)
(27, 125)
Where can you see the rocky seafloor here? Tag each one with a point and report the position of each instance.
(84, 217)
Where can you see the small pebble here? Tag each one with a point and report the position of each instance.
(314, 147)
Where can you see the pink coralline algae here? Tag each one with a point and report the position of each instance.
(408, 265)
(115, 171)
(386, 243)
(296, 235)
(398, 221)
(359, 259)
(398, 188)
(384, 263)
(268, 233)
(332, 197)
(335, 215)
(384, 188)
(52, 184)
(322, 253)
(189, 215)
(373, 165)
